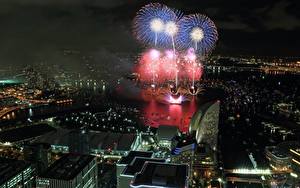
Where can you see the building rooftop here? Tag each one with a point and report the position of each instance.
(156, 174)
(133, 154)
(45, 146)
(67, 167)
(277, 152)
(282, 150)
(25, 133)
(10, 168)
(137, 164)
(96, 140)
(165, 132)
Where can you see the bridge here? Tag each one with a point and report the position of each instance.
(255, 171)
(244, 180)
(253, 175)
(8, 110)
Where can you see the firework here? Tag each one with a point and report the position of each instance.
(191, 59)
(197, 31)
(175, 45)
(149, 66)
(155, 25)
(175, 99)
(157, 67)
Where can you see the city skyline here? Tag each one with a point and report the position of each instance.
(138, 93)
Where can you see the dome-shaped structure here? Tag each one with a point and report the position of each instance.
(204, 124)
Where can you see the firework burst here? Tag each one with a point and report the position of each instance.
(156, 24)
(197, 31)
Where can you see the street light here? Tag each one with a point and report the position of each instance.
(220, 182)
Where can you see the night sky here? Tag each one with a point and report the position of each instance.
(37, 30)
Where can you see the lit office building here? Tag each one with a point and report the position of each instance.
(70, 171)
(285, 157)
(279, 160)
(15, 173)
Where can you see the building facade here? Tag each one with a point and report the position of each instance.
(278, 160)
(39, 154)
(162, 175)
(70, 171)
(126, 160)
(15, 173)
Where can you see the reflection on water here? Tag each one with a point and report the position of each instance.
(156, 114)
(155, 109)
(30, 112)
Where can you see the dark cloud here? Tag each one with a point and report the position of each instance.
(255, 16)
(278, 17)
(235, 23)
(38, 30)
(96, 3)
(33, 34)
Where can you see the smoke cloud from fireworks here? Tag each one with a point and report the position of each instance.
(163, 66)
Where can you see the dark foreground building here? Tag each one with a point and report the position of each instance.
(39, 155)
(162, 175)
(126, 160)
(15, 173)
(134, 167)
(70, 171)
